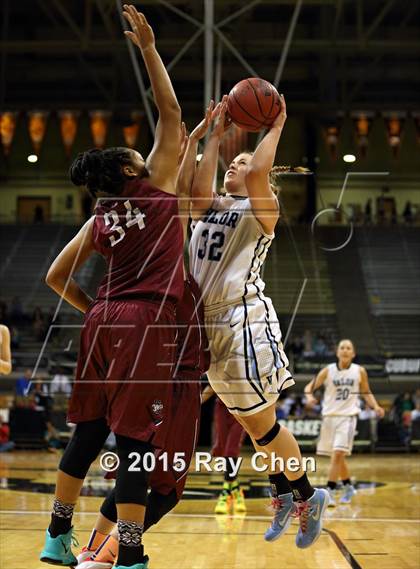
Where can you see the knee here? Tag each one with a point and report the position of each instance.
(268, 436)
(158, 505)
(84, 447)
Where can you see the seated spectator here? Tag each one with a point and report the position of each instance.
(38, 324)
(283, 406)
(5, 443)
(417, 397)
(14, 338)
(22, 384)
(368, 212)
(296, 346)
(407, 403)
(320, 347)
(408, 213)
(415, 413)
(52, 320)
(308, 344)
(366, 412)
(312, 410)
(17, 315)
(60, 384)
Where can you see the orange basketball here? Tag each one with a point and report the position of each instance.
(253, 104)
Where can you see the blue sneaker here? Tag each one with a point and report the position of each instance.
(349, 492)
(310, 518)
(143, 565)
(284, 507)
(57, 550)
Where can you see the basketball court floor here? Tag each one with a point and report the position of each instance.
(381, 529)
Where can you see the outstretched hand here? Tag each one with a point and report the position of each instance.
(183, 142)
(142, 35)
(282, 116)
(223, 120)
(202, 127)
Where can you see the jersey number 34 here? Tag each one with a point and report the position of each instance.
(132, 217)
(211, 250)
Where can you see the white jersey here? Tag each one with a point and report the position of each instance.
(227, 250)
(342, 388)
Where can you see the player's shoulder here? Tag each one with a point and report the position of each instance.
(360, 369)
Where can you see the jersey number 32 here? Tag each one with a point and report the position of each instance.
(211, 250)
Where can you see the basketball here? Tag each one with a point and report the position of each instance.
(253, 104)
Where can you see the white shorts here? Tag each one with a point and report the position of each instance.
(248, 365)
(337, 433)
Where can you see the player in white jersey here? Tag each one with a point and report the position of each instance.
(248, 369)
(344, 383)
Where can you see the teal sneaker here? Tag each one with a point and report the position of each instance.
(143, 565)
(349, 492)
(310, 518)
(57, 550)
(284, 509)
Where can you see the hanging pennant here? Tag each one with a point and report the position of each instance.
(99, 127)
(331, 128)
(68, 128)
(394, 122)
(7, 130)
(362, 122)
(37, 126)
(233, 143)
(131, 131)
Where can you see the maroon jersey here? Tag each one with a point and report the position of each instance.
(193, 356)
(140, 236)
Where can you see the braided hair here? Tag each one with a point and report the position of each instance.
(101, 170)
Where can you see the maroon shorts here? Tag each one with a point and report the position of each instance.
(228, 434)
(182, 437)
(124, 369)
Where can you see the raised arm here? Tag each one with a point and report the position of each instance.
(263, 201)
(162, 162)
(202, 187)
(6, 357)
(60, 274)
(315, 384)
(367, 395)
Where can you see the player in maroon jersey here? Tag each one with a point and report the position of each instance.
(127, 345)
(167, 483)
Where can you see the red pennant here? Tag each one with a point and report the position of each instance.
(7, 130)
(362, 122)
(37, 126)
(131, 131)
(68, 128)
(99, 127)
(394, 122)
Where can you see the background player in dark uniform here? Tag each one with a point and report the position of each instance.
(228, 436)
(127, 346)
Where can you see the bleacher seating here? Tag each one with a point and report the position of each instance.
(28, 251)
(292, 258)
(390, 261)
